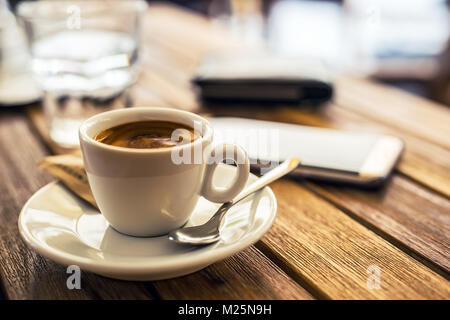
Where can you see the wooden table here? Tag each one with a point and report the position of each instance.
(324, 238)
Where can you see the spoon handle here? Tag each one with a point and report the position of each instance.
(274, 174)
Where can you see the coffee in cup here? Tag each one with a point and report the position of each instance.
(148, 135)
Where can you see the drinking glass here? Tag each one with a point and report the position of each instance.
(84, 57)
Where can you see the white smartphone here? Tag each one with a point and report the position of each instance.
(325, 154)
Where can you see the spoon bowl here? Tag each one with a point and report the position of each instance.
(209, 232)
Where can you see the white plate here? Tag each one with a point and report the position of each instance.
(62, 227)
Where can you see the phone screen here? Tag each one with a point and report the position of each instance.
(316, 147)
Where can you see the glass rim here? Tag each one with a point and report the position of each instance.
(59, 9)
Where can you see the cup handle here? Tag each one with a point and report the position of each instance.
(218, 154)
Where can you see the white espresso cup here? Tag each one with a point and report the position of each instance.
(149, 192)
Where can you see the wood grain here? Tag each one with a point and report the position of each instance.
(247, 275)
(396, 108)
(184, 33)
(331, 252)
(23, 273)
(408, 212)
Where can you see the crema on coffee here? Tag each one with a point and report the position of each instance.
(150, 134)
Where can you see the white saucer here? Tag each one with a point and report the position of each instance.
(64, 228)
(18, 89)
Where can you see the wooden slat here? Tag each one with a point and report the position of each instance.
(247, 275)
(186, 34)
(331, 252)
(170, 92)
(396, 108)
(410, 213)
(23, 273)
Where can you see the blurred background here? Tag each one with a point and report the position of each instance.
(83, 57)
(404, 42)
